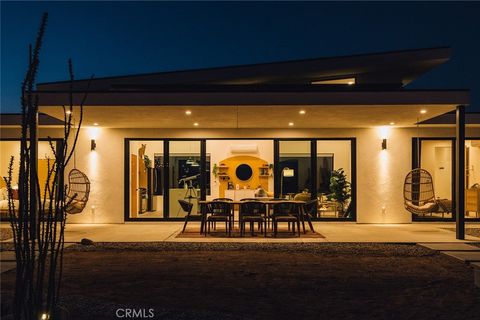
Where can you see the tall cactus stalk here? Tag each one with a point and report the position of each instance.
(38, 224)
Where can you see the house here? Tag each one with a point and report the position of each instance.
(276, 129)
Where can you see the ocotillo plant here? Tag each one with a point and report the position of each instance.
(38, 223)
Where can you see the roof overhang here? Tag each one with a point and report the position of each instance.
(342, 109)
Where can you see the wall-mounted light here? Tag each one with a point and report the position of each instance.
(384, 144)
(93, 145)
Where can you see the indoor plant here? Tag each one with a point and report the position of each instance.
(340, 188)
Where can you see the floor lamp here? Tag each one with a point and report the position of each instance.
(286, 172)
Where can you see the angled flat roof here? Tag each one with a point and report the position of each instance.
(15, 119)
(395, 69)
(471, 118)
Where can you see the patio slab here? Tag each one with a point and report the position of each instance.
(7, 266)
(7, 256)
(464, 256)
(455, 246)
(333, 232)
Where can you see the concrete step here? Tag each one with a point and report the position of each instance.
(476, 270)
(464, 256)
(453, 246)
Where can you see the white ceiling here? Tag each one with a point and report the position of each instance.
(347, 116)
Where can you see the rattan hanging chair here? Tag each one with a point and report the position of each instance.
(418, 193)
(78, 191)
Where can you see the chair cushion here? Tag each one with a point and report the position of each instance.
(218, 218)
(285, 218)
(253, 218)
(429, 206)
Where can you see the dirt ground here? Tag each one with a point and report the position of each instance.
(266, 281)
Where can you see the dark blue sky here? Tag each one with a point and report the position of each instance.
(105, 38)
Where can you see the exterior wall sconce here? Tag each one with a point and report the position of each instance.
(384, 144)
(93, 145)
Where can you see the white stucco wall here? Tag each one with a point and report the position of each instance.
(380, 173)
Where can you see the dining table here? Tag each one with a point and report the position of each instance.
(269, 202)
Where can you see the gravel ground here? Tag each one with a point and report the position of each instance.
(264, 281)
(370, 249)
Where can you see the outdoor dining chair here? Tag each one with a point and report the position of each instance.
(286, 212)
(220, 211)
(253, 212)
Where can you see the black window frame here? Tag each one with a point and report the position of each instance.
(203, 157)
(417, 155)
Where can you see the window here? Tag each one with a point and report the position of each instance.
(472, 178)
(9, 148)
(348, 81)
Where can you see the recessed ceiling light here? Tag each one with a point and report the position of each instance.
(68, 112)
(95, 124)
(188, 112)
(350, 83)
(423, 111)
(290, 124)
(302, 111)
(392, 123)
(196, 124)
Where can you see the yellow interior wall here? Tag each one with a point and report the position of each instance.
(232, 163)
(43, 174)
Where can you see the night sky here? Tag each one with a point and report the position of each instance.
(106, 39)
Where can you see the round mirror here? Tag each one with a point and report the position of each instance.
(244, 172)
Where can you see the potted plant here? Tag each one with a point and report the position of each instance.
(270, 169)
(340, 188)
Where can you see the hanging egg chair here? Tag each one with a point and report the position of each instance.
(78, 191)
(418, 193)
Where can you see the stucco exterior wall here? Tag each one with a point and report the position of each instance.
(380, 173)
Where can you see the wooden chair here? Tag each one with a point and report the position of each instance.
(253, 212)
(286, 212)
(418, 193)
(220, 211)
(187, 208)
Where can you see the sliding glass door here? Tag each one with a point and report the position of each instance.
(294, 167)
(160, 172)
(437, 156)
(185, 175)
(146, 179)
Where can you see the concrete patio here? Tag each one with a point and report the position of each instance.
(332, 231)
